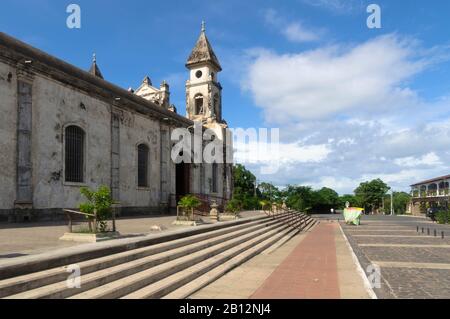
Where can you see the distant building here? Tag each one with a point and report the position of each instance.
(63, 128)
(430, 193)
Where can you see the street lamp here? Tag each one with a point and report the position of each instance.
(392, 202)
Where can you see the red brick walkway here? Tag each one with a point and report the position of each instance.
(309, 272)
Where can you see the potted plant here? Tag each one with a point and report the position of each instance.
(188, 203)
(98, 206)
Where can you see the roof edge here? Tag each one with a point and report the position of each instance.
(9, 43)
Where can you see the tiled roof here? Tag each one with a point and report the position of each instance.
(203, 52)
(437, 179)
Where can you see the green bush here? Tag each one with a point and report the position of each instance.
(234, 206)
(99, 201)
(265, 205)
(189, 202)
(443, 217)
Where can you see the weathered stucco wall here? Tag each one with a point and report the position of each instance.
(54, 108)
(8, 133)
(136, 130)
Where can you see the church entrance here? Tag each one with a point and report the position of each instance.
(182, 180)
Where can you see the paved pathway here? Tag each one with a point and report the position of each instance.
(316, 264)
(310, 271)
(413, 265)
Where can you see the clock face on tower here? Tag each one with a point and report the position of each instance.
(199, 74)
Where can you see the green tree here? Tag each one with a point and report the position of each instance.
(351, 199)
(401, 202)
(370, 194)
(324, 200)
(269, 192)
(300, 198)
(244, 188)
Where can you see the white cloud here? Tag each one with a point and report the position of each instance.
(292, 31)
(295, 32)
(338, 183)
(430, 159)
(318, 84)
(403, 177)
(336, 6)
(353, 109)
(285, 154)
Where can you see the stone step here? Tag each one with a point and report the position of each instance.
(72, 255)
(198, 276)
(106, 275)
(311, 224)
(31, 281)
(147, 277)
(206, 279)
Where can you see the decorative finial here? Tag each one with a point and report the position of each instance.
(203, 26)
(94, 58)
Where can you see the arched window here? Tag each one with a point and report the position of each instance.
(215, 175)
(143, 165)
(74, 154)
(198, 100)
(216, 105)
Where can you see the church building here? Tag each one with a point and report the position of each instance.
(63, 128)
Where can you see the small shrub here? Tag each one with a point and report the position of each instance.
(189, 202)
(265, 205)
(234, 206)
(99, 201)
(443, 217)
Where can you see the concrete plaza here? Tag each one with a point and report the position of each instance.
(413, 265)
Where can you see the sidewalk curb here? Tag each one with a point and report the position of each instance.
(361, 272)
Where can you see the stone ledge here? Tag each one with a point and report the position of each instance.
(184, 223)
(89, 238)
(225, 218)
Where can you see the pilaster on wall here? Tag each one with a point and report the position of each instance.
(115, 156)
(165, 167)
(24, 169)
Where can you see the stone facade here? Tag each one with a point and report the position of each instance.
(41, 96)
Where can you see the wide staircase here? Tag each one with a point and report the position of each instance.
(172, 268)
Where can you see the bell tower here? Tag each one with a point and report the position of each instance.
(203, 91)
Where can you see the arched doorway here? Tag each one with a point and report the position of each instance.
(183, 178)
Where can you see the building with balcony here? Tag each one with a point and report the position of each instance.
(430, 193)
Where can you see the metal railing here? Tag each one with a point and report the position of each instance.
(293, 218)
(431, 193)
(92, 219)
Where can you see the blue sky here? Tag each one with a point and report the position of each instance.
(352, 103)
